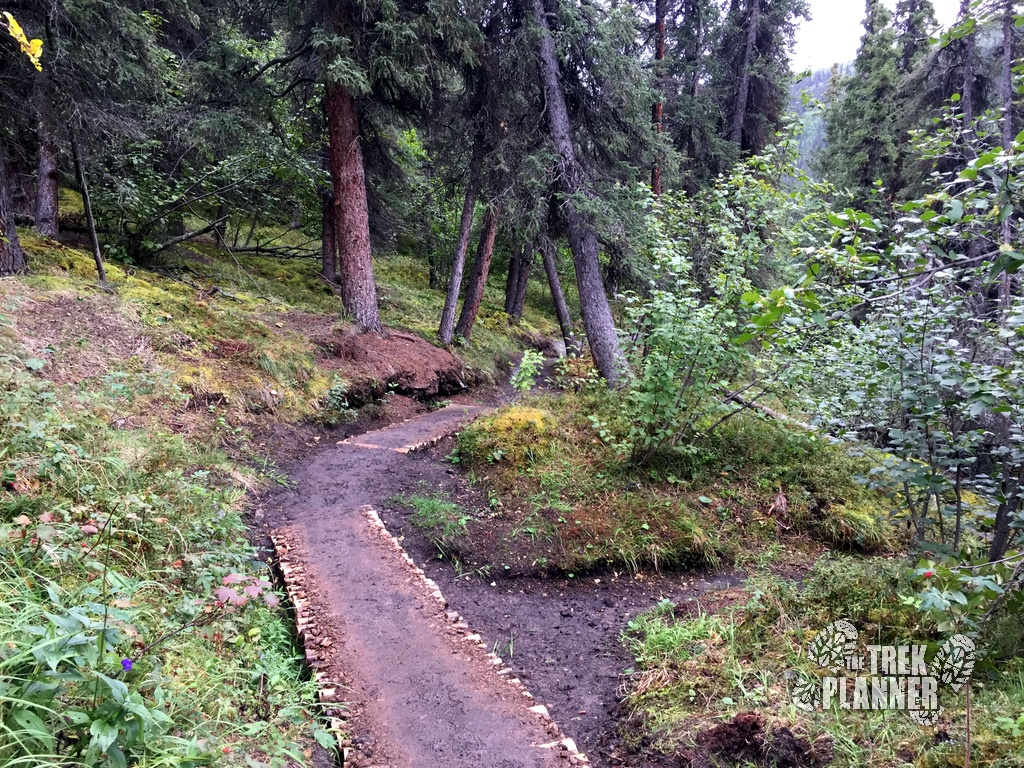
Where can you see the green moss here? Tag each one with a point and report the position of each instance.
(515, 436)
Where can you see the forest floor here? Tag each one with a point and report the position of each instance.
(657, 615)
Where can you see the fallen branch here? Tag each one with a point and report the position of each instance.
(279, 253)
(778, 416)
(189, 236)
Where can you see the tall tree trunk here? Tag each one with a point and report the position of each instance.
(659, 106)
(451, 299)
(1006, 97)
(47, 206)
(90, 222)
(478, 273)
(358, 289)
(739, 117)
(547, 251)
(522, 280)
(12, 257)
(967, 95)
(329, 244)
(597, 315)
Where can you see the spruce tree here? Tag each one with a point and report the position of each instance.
(914, 22)
(863, 128)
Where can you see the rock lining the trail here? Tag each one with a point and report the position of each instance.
(317, 643)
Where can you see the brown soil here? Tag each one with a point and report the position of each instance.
(746, 740)
(421, 697)
(373, 365)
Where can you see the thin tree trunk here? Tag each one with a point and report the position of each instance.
(547, 251)
(12, 257)
(358, 289)
(220, 232)
(47, 206)
(515, 266)
(329, 244)
(1011, 488)
(451, 300)
(478, 274)
(659, 106)
(597, 314)
(739, 118)
(1006, 97)
(90, 222)
(522, 280)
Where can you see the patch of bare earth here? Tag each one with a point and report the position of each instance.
(395, 361)
(747, 739)
(77, 336)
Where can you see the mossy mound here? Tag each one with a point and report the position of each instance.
(516, 436)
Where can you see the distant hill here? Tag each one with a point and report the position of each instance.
(804, 95)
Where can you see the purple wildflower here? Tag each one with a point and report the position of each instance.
(127, 664)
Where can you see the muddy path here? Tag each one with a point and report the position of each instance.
(561, 636)
(420, 695)
(423, 695)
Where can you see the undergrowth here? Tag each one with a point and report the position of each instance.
(139, 627)
(552, 460)
(695, 668)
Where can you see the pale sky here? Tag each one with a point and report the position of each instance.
(834, 31)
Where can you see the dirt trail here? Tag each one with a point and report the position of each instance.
(426, 697)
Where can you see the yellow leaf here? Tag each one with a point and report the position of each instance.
(15, 29)
(33, 49)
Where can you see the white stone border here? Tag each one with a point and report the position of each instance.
(567, 746)
(294, 578)
(294, 575)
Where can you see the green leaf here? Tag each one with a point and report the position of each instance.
(705, 500)
(324, 738)
(34, 725)
(116, 757)
(956, 211)
(117, 689)
(35, 364)
(103, 735)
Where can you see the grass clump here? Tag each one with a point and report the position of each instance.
(439, 518)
